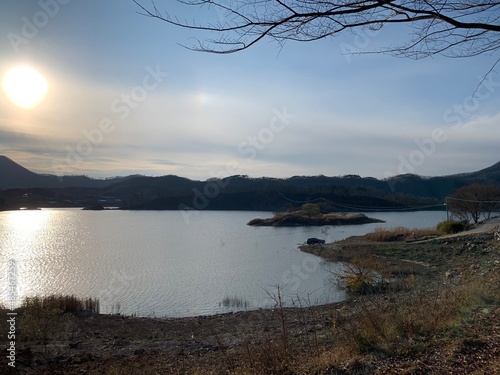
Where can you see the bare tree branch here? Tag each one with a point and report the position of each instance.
(456, 28)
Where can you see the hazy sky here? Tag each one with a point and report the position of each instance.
(125, 98)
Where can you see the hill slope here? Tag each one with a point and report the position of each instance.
(440, 187)
(13, 175)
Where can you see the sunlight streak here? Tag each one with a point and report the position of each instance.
(24, 232)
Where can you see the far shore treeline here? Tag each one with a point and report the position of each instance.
(20, 187)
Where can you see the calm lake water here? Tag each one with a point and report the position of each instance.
(164, 263)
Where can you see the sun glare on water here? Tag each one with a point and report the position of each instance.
(24, 86)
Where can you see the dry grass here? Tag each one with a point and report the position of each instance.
(48, 318)
(397, 325)
(381, 326)
(400, 234)
(363, 274)
(64, 303)
(395, 309)
(403, 323)
(233, 301)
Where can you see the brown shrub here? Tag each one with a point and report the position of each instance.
(400, 234)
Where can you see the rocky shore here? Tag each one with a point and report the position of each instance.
(450, 280)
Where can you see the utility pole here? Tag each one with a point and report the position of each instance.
(447, 213)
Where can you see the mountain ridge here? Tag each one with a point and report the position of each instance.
(239, 192)
(15, 176)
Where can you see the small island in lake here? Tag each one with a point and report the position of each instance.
(94, 207)
(309, 215)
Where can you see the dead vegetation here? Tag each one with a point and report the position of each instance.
(400, 234)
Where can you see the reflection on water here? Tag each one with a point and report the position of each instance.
(21, 235)
(153, 263)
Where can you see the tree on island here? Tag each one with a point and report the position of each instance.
(470, 202)
(310, 209)
(460, 28)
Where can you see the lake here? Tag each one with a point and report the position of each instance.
(174, 263)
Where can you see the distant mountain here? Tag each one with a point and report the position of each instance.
(440, 187)
(487, 175)
(345, 193)
(13, 175)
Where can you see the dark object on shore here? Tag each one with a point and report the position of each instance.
(313, 240)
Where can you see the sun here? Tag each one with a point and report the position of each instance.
(24, 86)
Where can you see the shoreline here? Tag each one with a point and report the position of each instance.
(306, 338)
